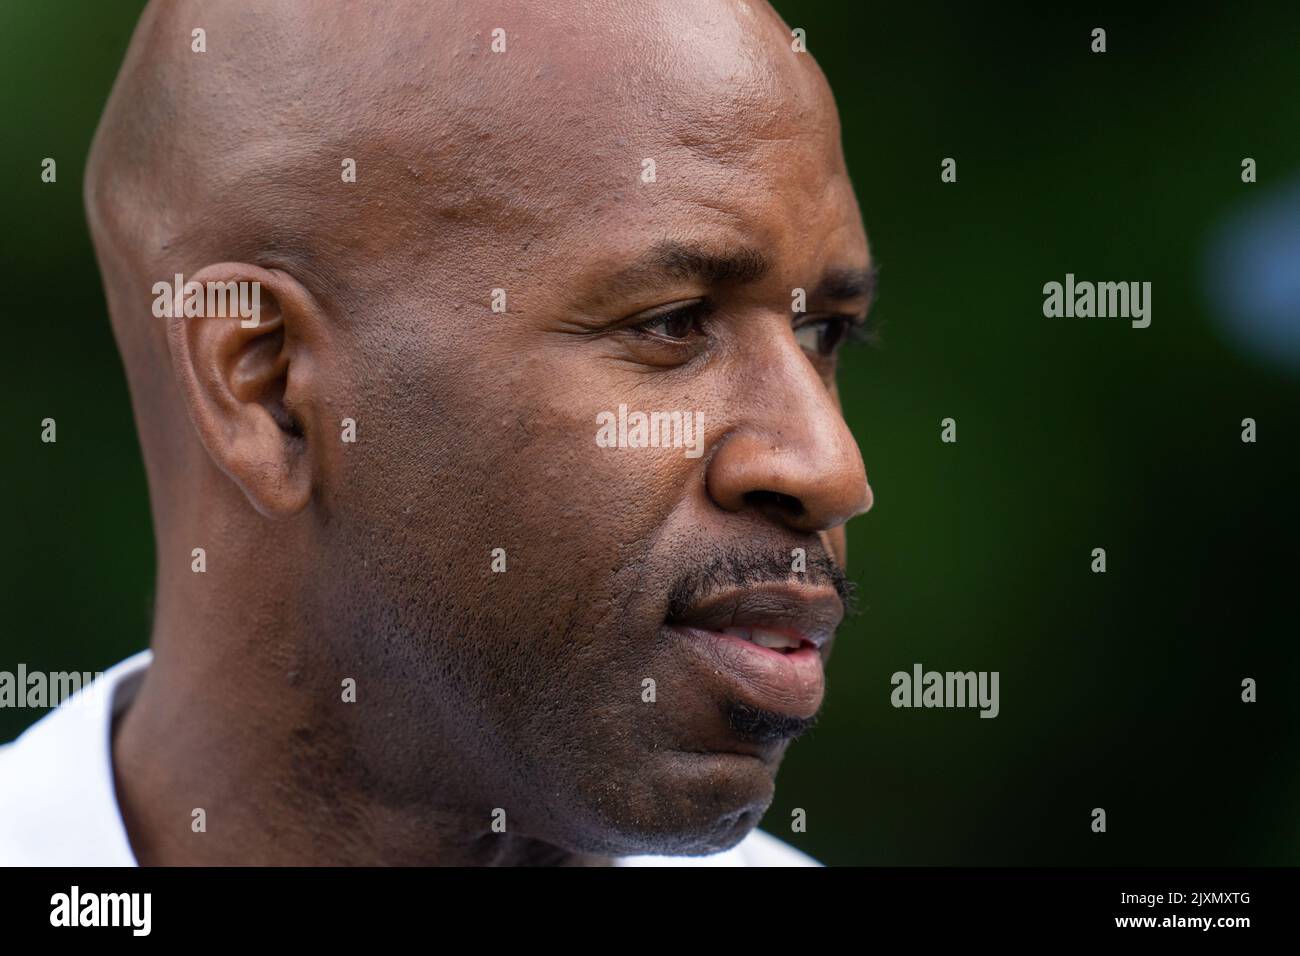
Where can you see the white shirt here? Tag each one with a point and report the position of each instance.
(58, 805)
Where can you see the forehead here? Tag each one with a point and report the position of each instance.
(686, 94)
(678, 119)
(789, 202)
(783, 192)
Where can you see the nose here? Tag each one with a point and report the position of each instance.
(789, 455)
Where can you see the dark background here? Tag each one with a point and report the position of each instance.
(1118, 690)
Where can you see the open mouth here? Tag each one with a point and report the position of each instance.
(762, 645)
(777, 616)
(780, 641)
(770, 669)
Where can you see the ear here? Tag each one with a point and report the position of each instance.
(243, 358)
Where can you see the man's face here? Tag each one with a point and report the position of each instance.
(529, 689)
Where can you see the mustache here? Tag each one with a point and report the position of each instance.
(749, 566)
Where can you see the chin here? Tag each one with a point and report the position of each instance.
(683, 804)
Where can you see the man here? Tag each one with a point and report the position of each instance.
(508, 529)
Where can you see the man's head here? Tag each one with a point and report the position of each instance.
(644, 187)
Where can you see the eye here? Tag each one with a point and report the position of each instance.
(680, 323)
(821, 337)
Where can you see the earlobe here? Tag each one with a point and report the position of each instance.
(239, 338)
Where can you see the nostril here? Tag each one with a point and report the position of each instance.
(764, 500)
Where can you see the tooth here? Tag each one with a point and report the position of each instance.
(773, 640)
(741, 632)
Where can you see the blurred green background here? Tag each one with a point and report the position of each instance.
(1119, 690)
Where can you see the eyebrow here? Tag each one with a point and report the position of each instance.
(743, 264)
(678, 260)
(850, 283)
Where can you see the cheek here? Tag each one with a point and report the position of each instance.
(572, 484)
(497, 458)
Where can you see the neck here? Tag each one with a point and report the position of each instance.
(228, 757)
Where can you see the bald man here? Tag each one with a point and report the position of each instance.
(505, 524)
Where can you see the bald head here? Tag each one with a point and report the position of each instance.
(235, 153)
(557, 210)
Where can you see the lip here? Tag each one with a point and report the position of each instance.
(810, 613)
(790, 683)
